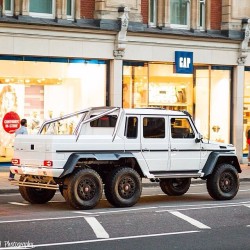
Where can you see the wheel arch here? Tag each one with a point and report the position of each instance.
(116, 157)
(216, 158)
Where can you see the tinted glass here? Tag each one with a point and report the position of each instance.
(153, 127)
(180, 128)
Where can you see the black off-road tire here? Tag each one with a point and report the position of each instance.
(123, 188)
(175, 186)
(223, 183)
(36, 195)
(83, 189)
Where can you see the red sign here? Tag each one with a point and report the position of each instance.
(11, 122)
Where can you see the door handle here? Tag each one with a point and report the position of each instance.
(145, 150)
(174, 149)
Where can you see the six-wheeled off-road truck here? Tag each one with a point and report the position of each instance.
(112, 148)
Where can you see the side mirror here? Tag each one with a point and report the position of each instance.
(199, 138)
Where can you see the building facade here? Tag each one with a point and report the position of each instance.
(58, 56)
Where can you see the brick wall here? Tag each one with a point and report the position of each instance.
(87, 9)
(144, 11)
(216, 14)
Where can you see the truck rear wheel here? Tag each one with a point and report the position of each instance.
(36, 195)
(223, 183)
(123, 188)
(175, 186)
(84, 189)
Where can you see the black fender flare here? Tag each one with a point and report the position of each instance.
(220, 157)
(75, 157)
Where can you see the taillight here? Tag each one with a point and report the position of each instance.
(48, 163)
(15, 161)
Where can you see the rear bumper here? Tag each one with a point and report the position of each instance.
(37, 171)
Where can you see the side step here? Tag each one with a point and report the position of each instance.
(176, 174)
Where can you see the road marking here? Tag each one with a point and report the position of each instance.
(167, 208)
(244, 190)
(192, 221)
(116, 211)
(56, 202)
(113, 239)
(248, 225)
(19, 203)
(199, 208)
(17, 194)
(97, 227)
(247, 205)
(43, 219)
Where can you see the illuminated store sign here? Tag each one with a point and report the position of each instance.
(184, 62)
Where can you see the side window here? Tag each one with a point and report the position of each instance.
(181, 128)
(131, 129)
(104, 121)
(153, 127)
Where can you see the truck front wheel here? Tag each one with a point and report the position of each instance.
(123, 188)
(175, 186)
(36, 195)
(223, 183)
(84, 189)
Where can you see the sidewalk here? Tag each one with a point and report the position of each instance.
(6, 187)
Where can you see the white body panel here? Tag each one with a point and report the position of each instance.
(153, 155)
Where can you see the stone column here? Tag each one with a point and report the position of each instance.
(58, 9)
(64, 9)
(116, 83)
(208, 15)
(160, 9)
(77, 10)
(238, 100)
(166, 16)
(17, 7)
(194, 14)
(25, 7)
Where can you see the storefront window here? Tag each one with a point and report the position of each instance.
(206, 95)
(156, 85)
(212, 103)
(246, 111)
(39, 91)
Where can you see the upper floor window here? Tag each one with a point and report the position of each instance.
(42, 8)
(153, 127)
(179, 13)
(202, 14)
(152, 13)
(8, 7)
(70, 8)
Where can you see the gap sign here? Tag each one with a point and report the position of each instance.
(184, 62)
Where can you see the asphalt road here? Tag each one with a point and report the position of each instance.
(157, 221)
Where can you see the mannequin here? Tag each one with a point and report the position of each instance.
(51, 128)
(34, 123)
(62, 126)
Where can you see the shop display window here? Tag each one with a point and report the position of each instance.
(246, 109)
(42, 90)
(156, 85)
(212, 102)
(205, 95)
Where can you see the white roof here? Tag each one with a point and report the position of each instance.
(152, 111)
